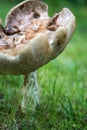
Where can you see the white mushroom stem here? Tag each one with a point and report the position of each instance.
(30, 91)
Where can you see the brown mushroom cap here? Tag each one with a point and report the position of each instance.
(31, 38)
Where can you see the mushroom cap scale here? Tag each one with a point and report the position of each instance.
(31, 38)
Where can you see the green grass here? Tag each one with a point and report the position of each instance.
(63, 89)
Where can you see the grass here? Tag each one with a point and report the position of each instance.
(63, 88)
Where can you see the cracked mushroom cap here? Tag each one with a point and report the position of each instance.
(31, 38)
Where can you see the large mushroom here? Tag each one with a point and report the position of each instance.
(30, 39)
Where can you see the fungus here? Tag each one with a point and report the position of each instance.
(30, 39)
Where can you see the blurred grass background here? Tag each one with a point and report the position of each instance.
(63, 81)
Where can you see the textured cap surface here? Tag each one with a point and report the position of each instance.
(31, 38)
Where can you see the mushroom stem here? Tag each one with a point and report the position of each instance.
(30, 86)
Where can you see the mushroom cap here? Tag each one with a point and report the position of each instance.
(31, 38)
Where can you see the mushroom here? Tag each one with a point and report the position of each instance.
(30, 39)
